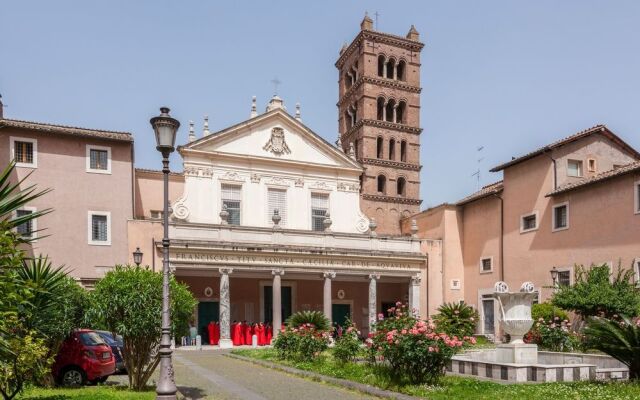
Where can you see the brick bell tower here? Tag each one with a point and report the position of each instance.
(379, 114)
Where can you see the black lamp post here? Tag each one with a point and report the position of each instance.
(554, 276)
(137, 256)
(165, 129)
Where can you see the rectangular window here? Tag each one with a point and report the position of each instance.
(319, 207)
(98, 159)
(574, 168)
(529, 222)
(486, 265)
(231, 198)
(564, 278)
(277, 200)
(99, 228)
(561, 216)
(637, 197)
(25, 229)
(24, 151)
(591, 164)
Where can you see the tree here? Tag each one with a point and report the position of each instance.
(619, 339)
(128, 302)
(598, 292)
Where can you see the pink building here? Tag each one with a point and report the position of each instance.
(575, 201)
(91, 174)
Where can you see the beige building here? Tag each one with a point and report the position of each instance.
(575, 201)
(90, 173)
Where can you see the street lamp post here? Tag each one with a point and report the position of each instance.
(137, 256)
(554, 277)
(165, 129)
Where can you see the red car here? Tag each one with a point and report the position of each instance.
(83, 357)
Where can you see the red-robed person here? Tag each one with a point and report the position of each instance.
(247, 333)
(232, 333)
(268, 333)
(210, 331)
(260, 334)
(236, 335)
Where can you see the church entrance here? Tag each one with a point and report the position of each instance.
(285, 292)
(207, 311)
(340, 313)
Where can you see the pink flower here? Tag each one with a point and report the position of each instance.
(398, 303)
(404, 332)
(380, 317)
(430, 349)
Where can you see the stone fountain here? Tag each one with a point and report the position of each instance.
(515, 320)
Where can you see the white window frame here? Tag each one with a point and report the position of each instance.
(34, 222)
(318, 193)
(553, 217)
(241, 187)
(12, 153)
(480, 265)
(284, 189)
(636, 196)
(88, 159)
(581, 163)
(523, 216)
(92, 242)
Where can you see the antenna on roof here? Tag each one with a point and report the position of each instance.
(2, 106)
(376, 14)
(480, 158)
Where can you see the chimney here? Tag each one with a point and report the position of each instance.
(367, 23)
(205, 131)
(1, 108)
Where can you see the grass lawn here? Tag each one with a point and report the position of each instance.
(87, 393)
(460, 388)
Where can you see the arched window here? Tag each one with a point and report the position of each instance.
(389, 110)
(392, 149)
(381, 63)
(379, 150)
(400, 70)
(403, 151)
(380, 104)
(400, 112)
(401, 186)
(382, 183)
(391, 68)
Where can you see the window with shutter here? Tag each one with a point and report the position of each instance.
(561, 216)
(319, 207)
(277, 200)
(98, 159)
(25, 229)
(232, 198)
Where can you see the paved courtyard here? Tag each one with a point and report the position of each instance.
(211, 375)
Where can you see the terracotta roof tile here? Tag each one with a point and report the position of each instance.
(66, 130)
(628, 168)
(595, 129)
(486, 191)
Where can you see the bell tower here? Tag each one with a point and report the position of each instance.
(379, 113)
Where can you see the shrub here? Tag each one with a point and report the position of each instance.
(619, 339)
(547, 312)
(348, 345)
(598, 292)
(128, 302)
(315, 318)
(303, 343)
(553, 335)
(456, 319)
(413, 350)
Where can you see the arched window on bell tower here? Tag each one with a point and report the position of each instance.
(382, 184)
(381, 62)
(380, 109)
(400, 117)
(403, 151)
(379, 145)
(401, 188)
(391, 68)
(401, 70)
(390, 110)
(392, 149)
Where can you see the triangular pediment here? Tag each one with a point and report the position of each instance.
(274, 135)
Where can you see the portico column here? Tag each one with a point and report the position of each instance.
(276, 302)
(225, 309)
(414, 294)
(326, 294)
(372, 300)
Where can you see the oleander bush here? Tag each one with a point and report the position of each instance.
(347, 346)
(411, 350)
(456, 319)
(302, 343)
(554, 335)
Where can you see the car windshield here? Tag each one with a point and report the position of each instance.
(91, 339)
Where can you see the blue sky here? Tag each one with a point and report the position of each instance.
(507, 75)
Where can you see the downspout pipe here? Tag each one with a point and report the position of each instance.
(555, 169)
(501, 242)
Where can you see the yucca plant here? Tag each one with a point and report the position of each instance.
(315, 318)
(457, 319)
(619, 339)
(13, 197)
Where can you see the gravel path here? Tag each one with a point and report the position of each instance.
(211, 375)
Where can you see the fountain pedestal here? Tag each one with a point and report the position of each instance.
(515, 312)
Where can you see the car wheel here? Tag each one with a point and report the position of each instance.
(73, 376)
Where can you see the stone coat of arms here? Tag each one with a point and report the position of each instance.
(276, 143)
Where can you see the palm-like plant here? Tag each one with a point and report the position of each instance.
(619, 339)
(12, 198)
(458, 319)
(315, 318)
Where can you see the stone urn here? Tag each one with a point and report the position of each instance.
(515, 320)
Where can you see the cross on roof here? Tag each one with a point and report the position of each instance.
(275, 82)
